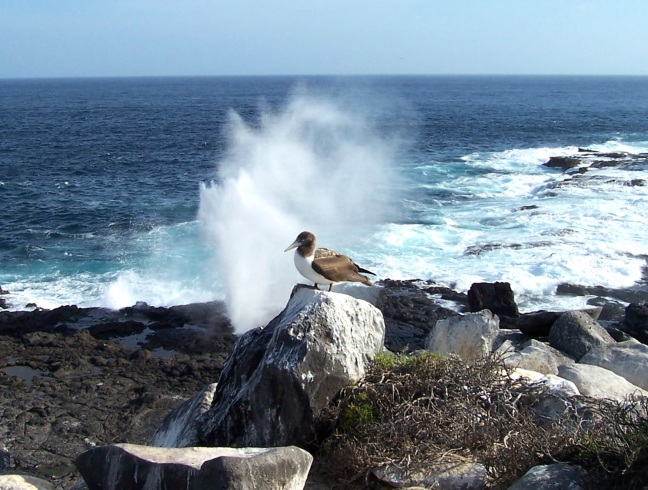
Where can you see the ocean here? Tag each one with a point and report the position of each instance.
(179, 190)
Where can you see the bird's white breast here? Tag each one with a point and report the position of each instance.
(305, 267)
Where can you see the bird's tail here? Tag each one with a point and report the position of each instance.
(364, 271)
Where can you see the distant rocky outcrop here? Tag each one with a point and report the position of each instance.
(586, 159)
(563, 163)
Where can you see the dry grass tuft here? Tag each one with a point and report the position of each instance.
(412, 411)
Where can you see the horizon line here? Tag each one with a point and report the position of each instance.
(349, 75)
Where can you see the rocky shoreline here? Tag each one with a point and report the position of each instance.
(77, 378)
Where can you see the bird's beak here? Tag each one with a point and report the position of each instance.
(294, 244)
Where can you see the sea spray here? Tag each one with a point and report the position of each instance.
(310, 166)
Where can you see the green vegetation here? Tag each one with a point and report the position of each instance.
(359, 411)
(414, 410)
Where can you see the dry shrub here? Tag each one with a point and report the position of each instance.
(615, 449)
(412, 411)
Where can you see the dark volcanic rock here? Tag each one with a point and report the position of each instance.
(538, 323)
(636, 321)
(63, 391)
(627, 295)
(497, 297)
(563, 163)
(110, 330)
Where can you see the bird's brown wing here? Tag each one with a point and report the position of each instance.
(321, 253)
(336, 267)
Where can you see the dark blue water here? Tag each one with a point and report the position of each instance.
(93, 170)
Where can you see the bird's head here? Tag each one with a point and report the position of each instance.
(304, 239)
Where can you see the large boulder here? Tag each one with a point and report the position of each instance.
(535, 356)
(497, 297)
(539, 323)
(133, 467)
(628, 359)
(469, 336)
(576, 332)
(178, 429)
(599, 382)
(278, 379)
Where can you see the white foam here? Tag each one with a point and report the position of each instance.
(131, 287)
(310, 166)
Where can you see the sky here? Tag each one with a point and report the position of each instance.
(97, 38)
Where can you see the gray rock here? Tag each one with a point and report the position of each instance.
(557, 476)
(557, 399)
(628, 359)
(511, 339)
(469, 336)
(24, 482)
(598, 382)
(537, 356)
(554, 385)
(278, 379)
(460, 475)
(178, 429)
(539, 323)
(133, 467)
(576, 332)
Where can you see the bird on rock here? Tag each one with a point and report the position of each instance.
(324, 266)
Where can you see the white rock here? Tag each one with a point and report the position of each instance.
(535, 356)
(461, 475)
(599, 382)
(555, 384)
(24, 482)
(469, 336)
(278, 379)
(131, 467)
(628, 359)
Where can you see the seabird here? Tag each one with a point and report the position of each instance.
(323, 266)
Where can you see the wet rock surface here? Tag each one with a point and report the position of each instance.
(72, 378)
